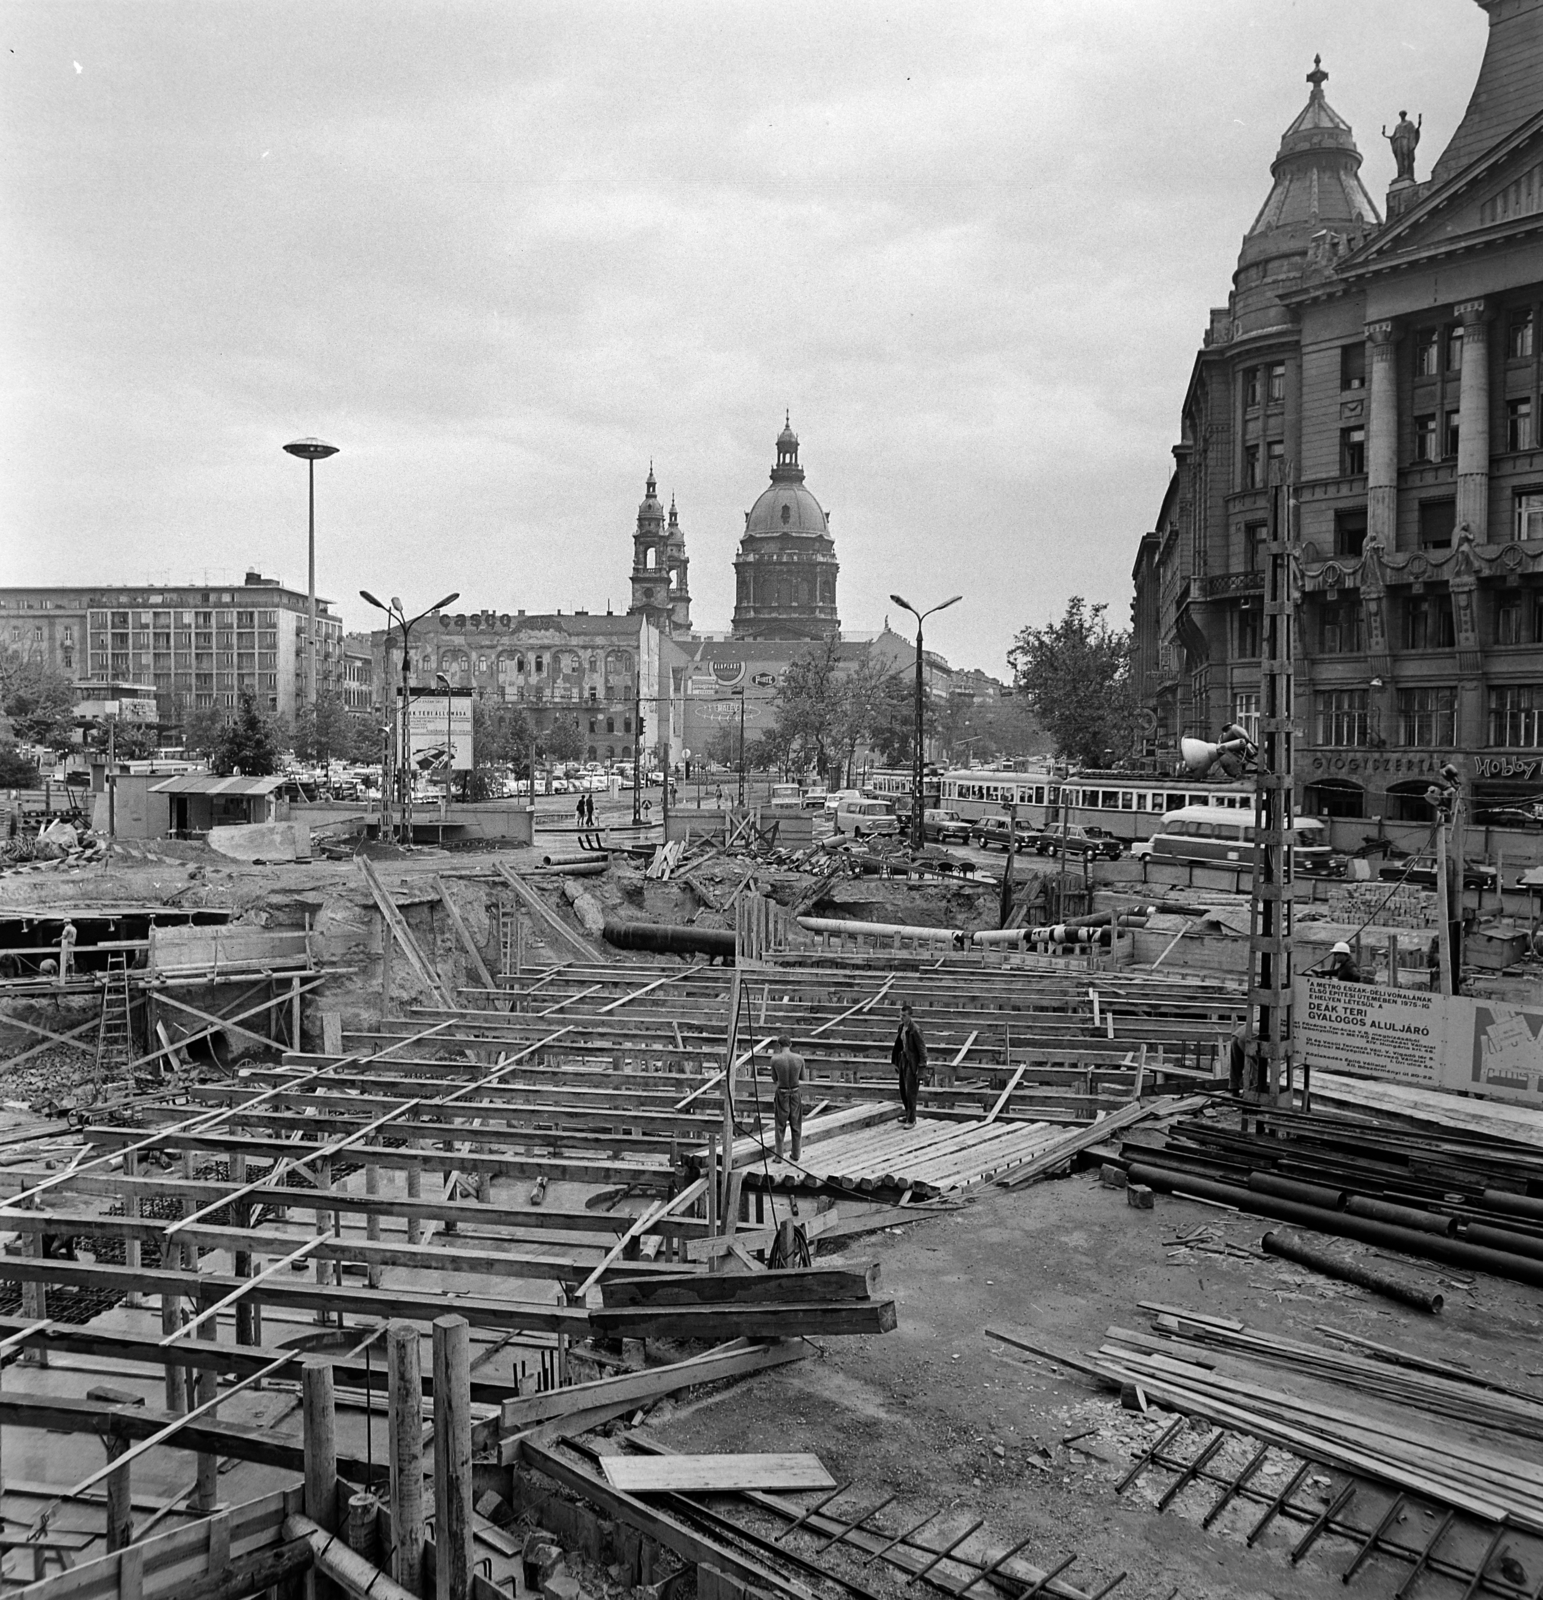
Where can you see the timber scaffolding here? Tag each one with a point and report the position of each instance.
(425, 1156)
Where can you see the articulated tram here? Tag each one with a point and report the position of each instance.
(1128, 806)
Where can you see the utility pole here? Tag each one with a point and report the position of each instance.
(637, 744)
(1269, 941)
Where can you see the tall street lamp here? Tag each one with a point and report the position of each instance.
(311, 451)
(917, 838)
(399, 618)
(740, 692)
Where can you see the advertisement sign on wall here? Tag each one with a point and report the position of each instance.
(437, 723)
(1432, 1041)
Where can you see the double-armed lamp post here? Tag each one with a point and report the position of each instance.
(918, 837)
(400, 619)
(311, 451)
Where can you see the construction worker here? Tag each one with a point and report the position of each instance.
(787, 1070)
(909, 1054)
(1342, 965)
(67, 952)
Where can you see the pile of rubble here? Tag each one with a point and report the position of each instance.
(59, 845)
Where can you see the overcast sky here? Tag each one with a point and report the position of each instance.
(503, 254)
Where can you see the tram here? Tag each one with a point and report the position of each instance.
(1125, 805)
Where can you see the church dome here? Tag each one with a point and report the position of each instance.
(787, 507)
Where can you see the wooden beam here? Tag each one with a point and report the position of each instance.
(403, 934)
(549, 919)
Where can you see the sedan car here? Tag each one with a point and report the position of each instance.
(1422, 869)
(1076, 842)
(945, 827)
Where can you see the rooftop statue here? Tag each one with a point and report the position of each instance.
(1404, 137)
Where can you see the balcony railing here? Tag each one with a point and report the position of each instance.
(1225, 583)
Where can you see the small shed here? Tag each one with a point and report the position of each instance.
(200, 801)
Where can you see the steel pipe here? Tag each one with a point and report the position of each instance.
(956, 937)
(662, 938)
(1361, 1205)
(350, 1571)
(1307, 1194)
(1289, 1243)
(1436, 1246)
(1521, 1244)
(1519, 1205)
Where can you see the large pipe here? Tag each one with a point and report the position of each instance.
(1403, 1216)
(956, 937)
(348, 1569)
(1306, 1194)
(1289, 1243)
(1519, 1205)
(1436, 1246)
(1521, 1244)
(572, 858)
(662, 938)
(569, 869)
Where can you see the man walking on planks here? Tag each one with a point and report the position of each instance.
(909, 1055)
(787, 1070)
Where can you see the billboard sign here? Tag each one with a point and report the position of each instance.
(437, 725)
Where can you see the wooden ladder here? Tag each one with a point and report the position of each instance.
(115, 1035)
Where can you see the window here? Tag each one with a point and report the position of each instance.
(610, 724)
(1427, 718)
(1516, 716)
(1508, 617)
(1245, 712)
(1352, 451)
(1437, 520)
(1275, 460)
(1339, 628)
(1352, 365)
(1251, 387)
(1255, 536)
(1427, 353)
(1248, 634)
(1455, 349)
(1277, 381)
(1349, 533)
(540, 665)
(1518, 424)
(1341, 716)
(1451, 434)
(1425, 437)
(1250, 466)
(1529, 515)
(1428, 622)
(1519, 334)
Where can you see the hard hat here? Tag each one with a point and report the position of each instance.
(1340, 949)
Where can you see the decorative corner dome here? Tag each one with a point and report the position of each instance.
(1317, 190)
(649, 508)
(787, 507)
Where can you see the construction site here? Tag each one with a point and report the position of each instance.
(413, 1222)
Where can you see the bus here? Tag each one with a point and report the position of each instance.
(1123, 805)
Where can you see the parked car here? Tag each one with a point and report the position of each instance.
(865, 818)
(1421, 869)
(835, 797)
(945, 827)
(992, 830)
(1078, 841)
(814, 798)
(785, 794)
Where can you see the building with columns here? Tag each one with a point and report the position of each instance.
(1389, 371)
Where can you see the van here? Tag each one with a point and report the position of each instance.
(865, 818)
(786, 794)
(1224, 835)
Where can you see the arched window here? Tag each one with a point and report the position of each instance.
(519, 663)
(591, 753)
(540, 665)
(593, 660)
(650, 558)
(624, 659)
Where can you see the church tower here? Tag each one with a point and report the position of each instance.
(660, 589)
(785, 573)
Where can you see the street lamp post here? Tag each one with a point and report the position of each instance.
(311, 451)
(439, 677)
(400, 619)
(741, 693)
(916, 767)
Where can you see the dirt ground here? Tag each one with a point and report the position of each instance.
(962, 1425)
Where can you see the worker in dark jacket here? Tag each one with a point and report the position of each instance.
(1342, 965)
(909, 1054)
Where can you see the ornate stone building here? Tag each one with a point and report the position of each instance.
(785, 572)
(660, 587)
(1390, 372)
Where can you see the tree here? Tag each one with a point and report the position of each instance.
(39, 702)
(323, 733)
(564, 741)
(364, 739)
(501, 735)
(809, 703)
(128, 741)
(1075, 675)
(16, 771)
(201, 730)
(723, 745)
(248, 742)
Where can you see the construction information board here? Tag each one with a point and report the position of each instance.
(1429, 1040)
(435, 723)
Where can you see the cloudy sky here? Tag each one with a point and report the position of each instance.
(504, 253)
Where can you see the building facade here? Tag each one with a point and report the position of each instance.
(598, 673)
(199, 645)
(1388, 372)
(785, 572)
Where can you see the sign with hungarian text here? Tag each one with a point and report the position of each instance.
(1432, 1041)
(438, 726)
